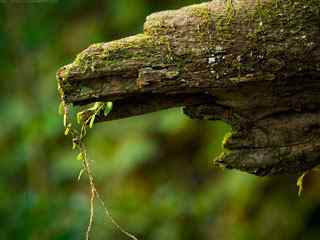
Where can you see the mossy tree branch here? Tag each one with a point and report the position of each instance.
(254, 64)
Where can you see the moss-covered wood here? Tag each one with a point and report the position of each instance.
(254, 64)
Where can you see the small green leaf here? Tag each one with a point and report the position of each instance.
(67, 131)
(108, 108)
(300, 183)
(65, 115)
(94, 107)
(93, 117)
(61, 108)
(79, 117)
(65, 119)
(80, 156)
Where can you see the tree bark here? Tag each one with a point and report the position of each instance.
(254, 64)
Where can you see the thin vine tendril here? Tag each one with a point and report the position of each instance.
(86, 119)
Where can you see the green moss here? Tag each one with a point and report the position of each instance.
(225, 138)
(84, 90)
(155, 23)
(224, 151)
(200, 10)
(169, 56)
(107, 55)
(277, 33)
(230, 11)
(139, 40)
(172, 74)
(64, 73)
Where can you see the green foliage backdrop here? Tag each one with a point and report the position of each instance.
(155, 172)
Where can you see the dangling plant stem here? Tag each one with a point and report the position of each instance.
(86, 119)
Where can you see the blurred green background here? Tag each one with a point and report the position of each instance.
(155, 172)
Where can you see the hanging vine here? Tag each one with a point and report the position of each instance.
(85, 119)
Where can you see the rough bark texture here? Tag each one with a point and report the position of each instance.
(254, 64)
